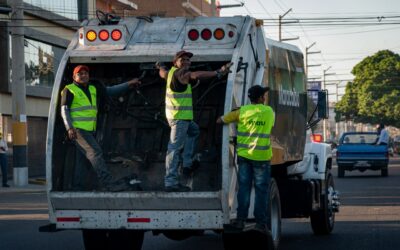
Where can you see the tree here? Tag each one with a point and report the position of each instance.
(373, 96)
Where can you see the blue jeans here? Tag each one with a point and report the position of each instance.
(258, 172)
(3, 163)
(184, 136)
(88, 145)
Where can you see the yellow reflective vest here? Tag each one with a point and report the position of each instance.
(83, 113)
(253, 138)
(178, 105)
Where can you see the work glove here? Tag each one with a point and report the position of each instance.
(159, 65)
(224, 70)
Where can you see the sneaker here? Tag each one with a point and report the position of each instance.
(238, 224)
(177, 188)
(6, 185)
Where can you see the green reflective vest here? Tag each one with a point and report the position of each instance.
(253, 137)
(83, 113)
(178, 105)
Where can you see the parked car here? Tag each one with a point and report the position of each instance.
(358, 151)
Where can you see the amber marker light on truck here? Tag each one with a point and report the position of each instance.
(91, 35)
(193, 34)
(104, 35)
(116, 35)
(219, 34)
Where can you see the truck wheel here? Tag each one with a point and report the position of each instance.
(385, 171)
(274, 213)
(112, 239)
(323, 220)
(340, 172)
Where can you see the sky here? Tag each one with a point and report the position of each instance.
(342, 42)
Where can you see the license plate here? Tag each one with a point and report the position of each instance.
(362, 164)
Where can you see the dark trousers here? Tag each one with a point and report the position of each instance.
(87, 144)
(3, 163)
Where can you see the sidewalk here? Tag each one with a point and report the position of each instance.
(34, 185)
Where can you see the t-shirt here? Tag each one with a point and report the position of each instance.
(180, 76)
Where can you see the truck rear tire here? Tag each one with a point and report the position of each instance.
(112, 239)
(340, 172)
(385, 171)
(323, 220)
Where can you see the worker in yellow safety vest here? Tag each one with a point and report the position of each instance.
(179, 112)
(254, 151)
(79, 110)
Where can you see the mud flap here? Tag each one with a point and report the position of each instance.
(242, 239)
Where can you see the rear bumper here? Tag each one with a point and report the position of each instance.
(350, 164)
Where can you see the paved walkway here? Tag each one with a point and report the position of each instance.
(36, 184)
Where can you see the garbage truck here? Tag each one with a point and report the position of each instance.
(133, 132)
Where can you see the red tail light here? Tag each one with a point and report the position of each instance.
(193, 34)
(104, 35)
(316, 138)
(206, 34)
(116, 35)
(231, 34)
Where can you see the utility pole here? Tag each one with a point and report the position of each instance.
(213, 8)
(19, 128)
(324, 74)
(306, 58)
(280, 26)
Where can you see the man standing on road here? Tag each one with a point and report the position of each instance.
(79, 105)
(254, 154)
(179, 112)
(3, 160)
(383, 135)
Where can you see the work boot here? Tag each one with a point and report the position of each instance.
(238, 224)
(5, 185)
(177, 188)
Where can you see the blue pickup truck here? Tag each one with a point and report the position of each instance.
(358, 151)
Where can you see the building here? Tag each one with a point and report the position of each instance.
(49, 26)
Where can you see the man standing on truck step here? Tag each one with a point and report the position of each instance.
(383, 135)
(179, 112)
(79, 108)
(255, 122)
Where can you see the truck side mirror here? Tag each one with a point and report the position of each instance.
(322, 104)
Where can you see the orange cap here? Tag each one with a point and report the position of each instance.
(79, 68)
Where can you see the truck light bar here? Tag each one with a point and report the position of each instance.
(207, 34)
(104, 35)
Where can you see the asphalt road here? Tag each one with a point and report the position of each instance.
(369, 219)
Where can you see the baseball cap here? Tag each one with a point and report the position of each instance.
(256, 92)
(182, 53)
(79, 68)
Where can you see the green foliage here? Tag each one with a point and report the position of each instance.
(374, 95)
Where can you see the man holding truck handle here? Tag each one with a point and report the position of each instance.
(79, 106)
(179, 112)
(254, 150)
